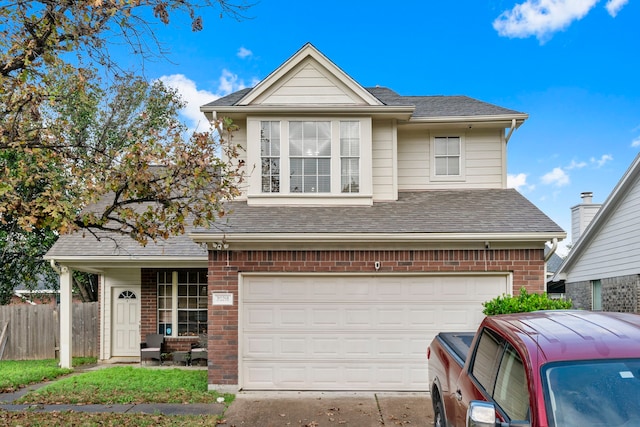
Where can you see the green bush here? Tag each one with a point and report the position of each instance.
(525, 302)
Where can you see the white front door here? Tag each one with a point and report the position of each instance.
(126, 322)
(352, 332)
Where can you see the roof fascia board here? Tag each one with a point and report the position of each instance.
(308, 50)
(374, 237)
(97, 264)
(520, 118)
(598, 221)
(399, 112)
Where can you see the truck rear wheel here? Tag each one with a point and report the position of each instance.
(438, 414)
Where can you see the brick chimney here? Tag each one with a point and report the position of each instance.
(582, 214)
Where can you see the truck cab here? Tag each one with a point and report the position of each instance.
(550, 368)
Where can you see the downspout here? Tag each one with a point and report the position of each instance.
(513, 127)
(554, 247)
(52, 262)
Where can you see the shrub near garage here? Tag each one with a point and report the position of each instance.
(525, 302)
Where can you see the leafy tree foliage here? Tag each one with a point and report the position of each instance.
(69, 142)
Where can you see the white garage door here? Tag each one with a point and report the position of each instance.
(352, 332)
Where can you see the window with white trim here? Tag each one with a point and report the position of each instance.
(182, 303)
(596, 295)
(350, 157)
(310, 156)
(270, 156)
(447, 155)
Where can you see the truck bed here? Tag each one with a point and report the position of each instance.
(459, 342)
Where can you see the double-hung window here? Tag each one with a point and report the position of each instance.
(448, 152)
(270, 156)
(310, 156)
(350, 157)
(182, 302)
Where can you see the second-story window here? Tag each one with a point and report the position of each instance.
(310, 156)
(350, 157)
(270, 156)
(447, 155)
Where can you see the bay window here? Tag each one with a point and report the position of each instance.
(308, 159)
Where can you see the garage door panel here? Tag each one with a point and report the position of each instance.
(354, 376)
(344, 316)
(352, 332)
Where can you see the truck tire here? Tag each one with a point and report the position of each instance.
(438, 414)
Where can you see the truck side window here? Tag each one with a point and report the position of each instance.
(511, 391)
(486, 360)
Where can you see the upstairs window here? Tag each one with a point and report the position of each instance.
(350, 157)
(270, 156)
(447, 155)
(310, 157)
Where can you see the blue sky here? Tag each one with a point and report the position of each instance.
(572, 65)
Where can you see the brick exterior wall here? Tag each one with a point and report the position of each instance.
(580, 294)
(621, 294)
(526, 265)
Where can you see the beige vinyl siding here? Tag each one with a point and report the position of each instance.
(483, 160)
(309, 85)
(615, 250)
(383, 160)
(413, 159)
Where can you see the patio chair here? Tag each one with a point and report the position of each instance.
(152, 347)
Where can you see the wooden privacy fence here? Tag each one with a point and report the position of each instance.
(33, 331)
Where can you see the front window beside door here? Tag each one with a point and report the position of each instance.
(182, 303)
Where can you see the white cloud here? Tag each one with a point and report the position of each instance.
(519, 182)
(636, 142)
(542, 18)
(576, 165)
(605, 158)
(194, 97)
(614, 6)
(244, 53)
(557, 177)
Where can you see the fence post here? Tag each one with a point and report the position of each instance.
(3, 339)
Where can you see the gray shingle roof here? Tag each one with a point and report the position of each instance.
(83, 244)
(425, 106)
(437, 211)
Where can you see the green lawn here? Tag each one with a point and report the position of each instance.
(16, 374)
(108, 385)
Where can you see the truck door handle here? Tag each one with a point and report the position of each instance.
(458, 395)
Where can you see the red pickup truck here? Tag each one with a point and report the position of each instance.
(541, 369)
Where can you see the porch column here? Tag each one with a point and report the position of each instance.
(66, 311)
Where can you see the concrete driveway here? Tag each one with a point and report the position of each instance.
(313, 409)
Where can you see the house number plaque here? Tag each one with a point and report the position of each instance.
(222, 298)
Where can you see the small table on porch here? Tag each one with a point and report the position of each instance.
(181, 357)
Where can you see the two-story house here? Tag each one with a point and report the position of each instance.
(370, 222)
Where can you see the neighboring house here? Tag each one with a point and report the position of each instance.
(602, 270)
(370, 222)
(554, 289)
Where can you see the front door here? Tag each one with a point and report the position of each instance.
(126, 322)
